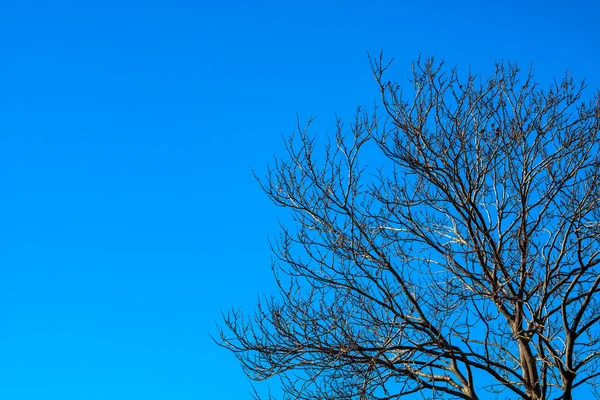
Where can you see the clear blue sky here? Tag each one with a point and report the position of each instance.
(129, 214)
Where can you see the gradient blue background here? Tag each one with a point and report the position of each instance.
(129, 216)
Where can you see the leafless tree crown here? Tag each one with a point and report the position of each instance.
(465, 265)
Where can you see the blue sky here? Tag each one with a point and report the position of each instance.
(130, 215)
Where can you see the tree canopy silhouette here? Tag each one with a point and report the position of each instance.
(464, 264)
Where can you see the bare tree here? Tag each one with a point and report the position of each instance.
(464, 265)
